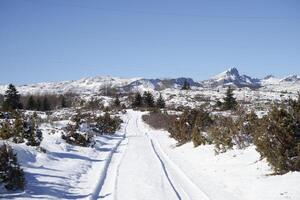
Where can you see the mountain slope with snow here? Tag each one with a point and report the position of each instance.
(233, 78)
(94, 85)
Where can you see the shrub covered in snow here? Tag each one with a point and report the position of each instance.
(74, 135)
(107, 124)
(11, 175)
(75, 138)
(33, 135)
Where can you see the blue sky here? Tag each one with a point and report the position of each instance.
(50, 40)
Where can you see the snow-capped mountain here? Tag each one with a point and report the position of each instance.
(159, 84)
(232, 77)
(94, 85)
(291, 78)
(90, 85)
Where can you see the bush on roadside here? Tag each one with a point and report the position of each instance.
(108, 124)
(181, 129)
(199, 132)
(278, 140)
(221, 133)
(159, 120)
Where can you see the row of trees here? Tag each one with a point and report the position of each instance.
(13, 100)
(147, 100)
(46, 102)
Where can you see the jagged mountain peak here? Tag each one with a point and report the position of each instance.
(230, 73)
(232, 77)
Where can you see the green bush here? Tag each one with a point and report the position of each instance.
(33, 135)
(182, 127)
(202, 123)
(11, 175)
(159, 120)
(5, 131)
(221, 133)
(107, 124)
(278, 140)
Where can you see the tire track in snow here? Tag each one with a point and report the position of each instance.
(165, 171)
(187, 186)
(160, 160)
(96, 192)
(179, 183)
(115, 192)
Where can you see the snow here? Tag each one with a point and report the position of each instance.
(91, 86)
(236, 174)
(64, 171)
(141, 163)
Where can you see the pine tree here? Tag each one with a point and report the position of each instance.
(148, 99)
(230, 102)
(137, 101)
(46, 104)
(160, 103)
(11, 99)
(186, 85)
(63, 102)
(10, 172)
(33, 134)
(31, 104)
(117, 102)
(18, 129)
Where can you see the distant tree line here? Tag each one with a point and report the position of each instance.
(147, 100)
(13, 100)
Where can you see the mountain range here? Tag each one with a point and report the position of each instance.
(92, 85)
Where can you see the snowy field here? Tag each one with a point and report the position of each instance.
(141, 163)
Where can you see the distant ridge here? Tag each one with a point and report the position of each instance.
(94, 85)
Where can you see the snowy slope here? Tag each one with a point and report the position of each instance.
(94, 85)
(65, 171)
(91, 85)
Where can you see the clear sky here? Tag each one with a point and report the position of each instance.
(50, 40)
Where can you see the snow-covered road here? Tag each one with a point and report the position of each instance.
(140, 163)
(139, 169)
